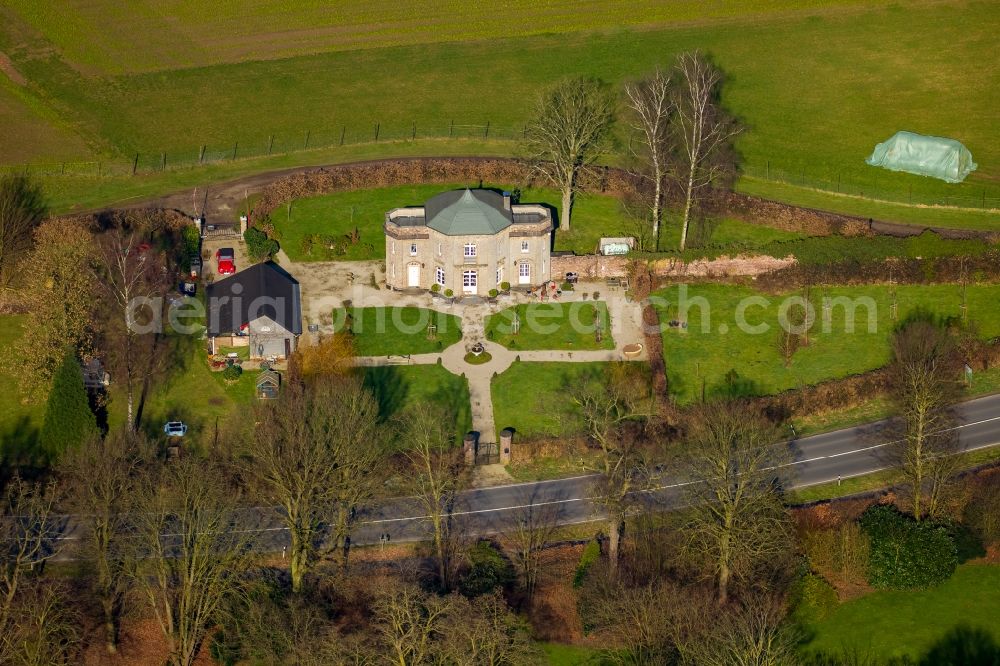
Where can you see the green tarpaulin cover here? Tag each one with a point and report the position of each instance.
(933, 156)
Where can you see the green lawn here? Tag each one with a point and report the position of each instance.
(889, 624)
(594, 216)
(20, 420)
(558, 654)
(695, 356)
(817, 102)
(400, 387)
(552, 326)
(532, 397)
(399, 330)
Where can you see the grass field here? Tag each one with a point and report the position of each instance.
(398, 388)
(888, 624)
(818, 101)
(552, 326)
(694, 356)
(400, 330)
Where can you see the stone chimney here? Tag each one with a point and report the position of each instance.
(506, 201)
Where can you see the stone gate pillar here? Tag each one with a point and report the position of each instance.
(506, 441)
(469, 446)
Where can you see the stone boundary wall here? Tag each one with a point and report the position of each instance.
(598, 267)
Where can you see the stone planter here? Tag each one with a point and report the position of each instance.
(632, 350)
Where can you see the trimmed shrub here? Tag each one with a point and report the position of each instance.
(435, 287)
(567, 286)
(505, 286)
(488, 570)
(493, 293)
(449, 293)
(591, 553)
(260, 247)
(232, 373)
(906, 554)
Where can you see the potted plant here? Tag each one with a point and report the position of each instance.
(448, 293)
(493, 293)
(505, 286)
(435, 288)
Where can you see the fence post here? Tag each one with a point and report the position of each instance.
(163, 161)
(270, 143)
(838, 182)
(62, 170)
(486, 135)
(305, 144)
(413, 135)
(910, 199)
(235, 146)
(767, 170)
(135, 163)
(875, 188)
(343, 130)
(451, 129)
(984, 196)
(201, 156)
(524, 132)
(378, 126)
(98, 169)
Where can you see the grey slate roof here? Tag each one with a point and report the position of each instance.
(263, 290)
(467, 213)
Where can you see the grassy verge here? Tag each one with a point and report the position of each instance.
(398, 388)
(400, 330)
(552, 326)
(893, 624)
(730, 358)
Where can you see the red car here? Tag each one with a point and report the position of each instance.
(225, 261)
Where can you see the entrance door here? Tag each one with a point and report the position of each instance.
(524, 273)
(413, 275)
(469, 282)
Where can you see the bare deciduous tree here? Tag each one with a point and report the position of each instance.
(100, 478)
(315, 453)
(437, 476)
(734, 518)
(604, 409)
(925, 376)
(533, 529)
(43, 630)
(22, 209)
(28, 531)
(131, 273)
(567, 134)
(191, 550)
(483, 632)
(651, 108)
(703, 131)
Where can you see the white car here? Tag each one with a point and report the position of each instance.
(175, 429)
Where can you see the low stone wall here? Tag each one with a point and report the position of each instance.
(755, 210)
(598, 267)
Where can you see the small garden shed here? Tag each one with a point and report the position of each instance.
(268, 385)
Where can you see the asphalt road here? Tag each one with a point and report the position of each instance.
(824, 458)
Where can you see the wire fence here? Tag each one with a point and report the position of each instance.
(857, 184)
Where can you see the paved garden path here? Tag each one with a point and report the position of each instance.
(326, 285)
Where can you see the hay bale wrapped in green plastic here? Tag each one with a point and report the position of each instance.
(932, 156)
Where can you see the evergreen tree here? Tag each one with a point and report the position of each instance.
(68, 417)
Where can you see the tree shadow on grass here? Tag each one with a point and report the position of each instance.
(389, 388)
(19, 448)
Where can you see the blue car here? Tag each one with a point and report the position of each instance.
(175, 429)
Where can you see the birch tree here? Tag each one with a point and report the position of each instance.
(702, 131)
(735, 518)
(567, 134)
(651, 114)
(925, 376)
(130, 272)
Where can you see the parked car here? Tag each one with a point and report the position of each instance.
(175, 429)
(225, 259)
